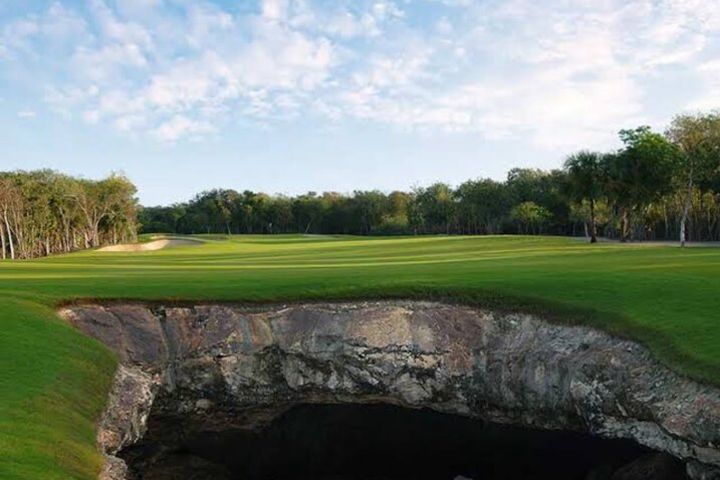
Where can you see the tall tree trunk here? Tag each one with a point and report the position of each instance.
(2, 242)
(95, 240)
(65, 237)
(9, 233)
(686, 209)
(624, 225)
(593, 222)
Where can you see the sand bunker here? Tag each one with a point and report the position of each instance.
(152, 245)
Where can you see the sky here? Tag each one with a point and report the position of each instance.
(288, 96)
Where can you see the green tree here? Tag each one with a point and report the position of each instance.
(698, 140)
(96, 201)
(585, 182)
(638, 174)
(369, 209)
(435, 207)
(483, 205)
(543, 188)
(44, 212)
(530, 216)
(308, 210)
(10, 201)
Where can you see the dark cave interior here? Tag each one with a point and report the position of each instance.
(382, 442)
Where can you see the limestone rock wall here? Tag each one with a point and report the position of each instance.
(213, 364)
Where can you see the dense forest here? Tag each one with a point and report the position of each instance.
(44, 212)
(657, 186)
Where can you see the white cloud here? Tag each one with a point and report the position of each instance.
(404, 71)
(61, 23)
(443, 26)
(26, 114)
(21, 29)
(138, 7)
(709, 97)
(114, 29)
(454, 3)
(181, 126)
(57, 26)
(558, 76)
(569, 87)
(119, 78)
(383, 10)
(204, 21)
(275, 9)
(367, 19)
(557, 73)
(107, 62)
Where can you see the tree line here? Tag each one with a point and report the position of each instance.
(44, 212)
(657, 186)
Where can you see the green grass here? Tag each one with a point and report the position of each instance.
(53, 380)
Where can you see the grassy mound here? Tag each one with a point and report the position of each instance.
(53, 380)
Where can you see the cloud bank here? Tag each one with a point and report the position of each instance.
(559, 73)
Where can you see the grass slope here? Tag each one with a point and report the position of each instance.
(53, 380)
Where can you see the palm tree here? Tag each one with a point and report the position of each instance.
(585, 182)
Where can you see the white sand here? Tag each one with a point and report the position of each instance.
(150, 246)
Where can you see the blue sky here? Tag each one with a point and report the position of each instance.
(297, 95)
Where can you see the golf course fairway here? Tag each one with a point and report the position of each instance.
(54, 381)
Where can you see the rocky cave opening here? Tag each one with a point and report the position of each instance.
(354, 391)
(379, 441)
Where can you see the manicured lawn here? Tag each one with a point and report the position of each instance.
(53, 380)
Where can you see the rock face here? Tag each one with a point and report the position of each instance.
(216, 365)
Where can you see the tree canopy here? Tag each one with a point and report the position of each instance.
(635, 192)
(44, 212)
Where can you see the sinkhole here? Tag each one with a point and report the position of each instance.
(379, 441)
(355, 391)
